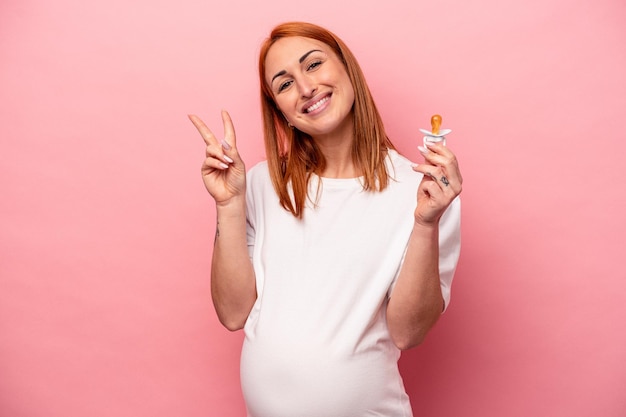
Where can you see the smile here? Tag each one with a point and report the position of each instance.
(317, 105)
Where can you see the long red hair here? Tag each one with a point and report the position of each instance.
(291, 154)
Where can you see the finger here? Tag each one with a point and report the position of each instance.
(439, 148)
(446, 183)
(217, 151)
(229, 140)
(439, 155)
(430, 187)
(205, 132)
(211, 163)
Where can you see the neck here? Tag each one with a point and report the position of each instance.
(337, 151)
(340, 168)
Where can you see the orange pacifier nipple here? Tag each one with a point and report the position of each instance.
(435, 123)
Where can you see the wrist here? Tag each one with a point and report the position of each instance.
(422, 228)
(234, 206)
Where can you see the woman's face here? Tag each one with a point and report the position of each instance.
(310, 85)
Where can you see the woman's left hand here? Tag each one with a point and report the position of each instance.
(441, 184)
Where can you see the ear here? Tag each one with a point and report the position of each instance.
(288, 122)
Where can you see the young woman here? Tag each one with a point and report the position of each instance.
(337, 252)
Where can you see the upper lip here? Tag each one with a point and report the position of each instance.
(314, 100)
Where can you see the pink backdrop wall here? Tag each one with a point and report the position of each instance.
(106, 230)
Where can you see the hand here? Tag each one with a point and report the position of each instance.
(223, 171)
(441, 183)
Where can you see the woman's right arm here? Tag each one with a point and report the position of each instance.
(233, 287)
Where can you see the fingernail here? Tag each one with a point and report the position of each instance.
(422, 149)
(223, 165)
(414, 165)
(228, 159)
(225, 145)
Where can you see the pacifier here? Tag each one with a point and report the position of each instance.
(436, 134)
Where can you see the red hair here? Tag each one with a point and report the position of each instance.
(291, 154)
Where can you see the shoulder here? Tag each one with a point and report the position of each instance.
(259, 173)
(400, 167)
(397, 158)
(259, 183)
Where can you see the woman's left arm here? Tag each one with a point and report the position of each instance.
(416, 301)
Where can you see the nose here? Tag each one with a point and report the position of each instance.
(306, 86)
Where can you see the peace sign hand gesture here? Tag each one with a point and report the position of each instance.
(223, 170)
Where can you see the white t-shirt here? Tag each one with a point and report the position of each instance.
(316, 341)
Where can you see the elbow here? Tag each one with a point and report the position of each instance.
(233, 325)
(407, 342)
(233, 316)
(407, 335)
(232, 320)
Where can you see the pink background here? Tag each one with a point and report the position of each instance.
(106, 229)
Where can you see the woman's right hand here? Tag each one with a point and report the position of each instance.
(223, 170)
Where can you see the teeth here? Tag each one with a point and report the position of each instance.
(317, 105)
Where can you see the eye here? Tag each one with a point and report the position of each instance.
(313, 65)
(284, 85)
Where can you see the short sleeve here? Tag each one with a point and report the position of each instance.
(250, 217)
(449, 247)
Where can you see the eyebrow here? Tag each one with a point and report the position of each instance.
(302, 58)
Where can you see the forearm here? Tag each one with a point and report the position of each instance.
(416, 301)
(233, 285)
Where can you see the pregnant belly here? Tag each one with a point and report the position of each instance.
(287, 382)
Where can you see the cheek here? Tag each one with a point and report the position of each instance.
(281, 103)
(349, 91)
(344, 80)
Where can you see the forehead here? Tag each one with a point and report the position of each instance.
(286, 52)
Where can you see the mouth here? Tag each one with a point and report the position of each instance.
(316, 105)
